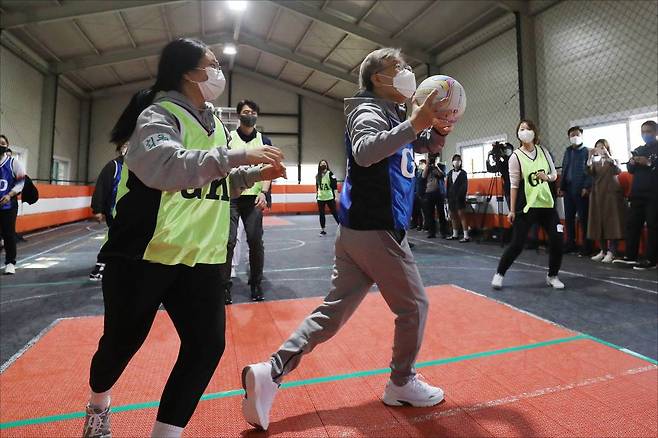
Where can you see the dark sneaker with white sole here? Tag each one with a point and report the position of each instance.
(645, 266)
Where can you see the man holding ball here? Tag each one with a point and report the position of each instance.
(371, 244)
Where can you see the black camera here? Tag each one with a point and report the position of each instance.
(498, 157)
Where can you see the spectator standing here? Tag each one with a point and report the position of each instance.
(575, 186)
(457, 187)
(606, 202)
(434, 199)
(643, 165)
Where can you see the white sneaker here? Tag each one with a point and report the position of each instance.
(599, 256)
(554, 282)
(609, 257)
(415, 393)
(10, 269)
(260, 391)
(233, 273)
(497, 282)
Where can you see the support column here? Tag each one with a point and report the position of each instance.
(299, 139)
(526, 60)
(83, 142)
(47, 131)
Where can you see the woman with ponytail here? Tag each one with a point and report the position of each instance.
(170, 232)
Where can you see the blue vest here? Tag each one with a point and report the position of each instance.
(7, 182)
(378, 197)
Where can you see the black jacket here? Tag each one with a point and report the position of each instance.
(102, 199)
(459, 188)
(645, 178)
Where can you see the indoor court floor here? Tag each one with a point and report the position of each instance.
(523, 361)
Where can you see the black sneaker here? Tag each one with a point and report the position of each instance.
(323, 233)
(431, 236)
(228, 299)
(97, 273)
(645, 266)
(257, 293)
(625, 261)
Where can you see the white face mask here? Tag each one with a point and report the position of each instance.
(212, 88)
(576, 140)
(526, 136)
(405, 82)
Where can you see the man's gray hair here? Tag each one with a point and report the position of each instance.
(374, 62)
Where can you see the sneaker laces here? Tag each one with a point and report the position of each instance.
(96, 421)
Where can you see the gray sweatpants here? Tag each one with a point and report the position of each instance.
(364, 258)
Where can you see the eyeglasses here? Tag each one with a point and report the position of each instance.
(398, 68)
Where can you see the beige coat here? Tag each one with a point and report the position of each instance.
(606, 202)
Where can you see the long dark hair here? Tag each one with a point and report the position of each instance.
(177, 58)
(318, 176)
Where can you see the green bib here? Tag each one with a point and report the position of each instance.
(192, 225)
(537, 192)
(238, 143)
(324, 190)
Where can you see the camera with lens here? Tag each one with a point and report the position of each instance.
(498, 157)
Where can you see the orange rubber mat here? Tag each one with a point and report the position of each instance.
(504, 372)
(275, 221)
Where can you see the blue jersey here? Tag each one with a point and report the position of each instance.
(380, 196)
(7, 181)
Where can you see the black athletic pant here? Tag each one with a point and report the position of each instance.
(434, 201)
(252, 218)
(194, 300)
(8, 233)
(642, 210)
(417, 212)
(548, 219)
(332, 207)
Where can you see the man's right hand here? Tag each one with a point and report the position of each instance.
(100, 217)
(639, 160)
(423, 116)
(264, 155)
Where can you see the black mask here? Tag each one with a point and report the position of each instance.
(323, 167)
(3, 150)
(248, 120)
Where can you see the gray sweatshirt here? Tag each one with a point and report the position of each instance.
(372, 136)
(168, 166)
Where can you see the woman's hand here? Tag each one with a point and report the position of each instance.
(542, 176)
(261, 201)
(511, 216)
(264, 155)
(270, 172)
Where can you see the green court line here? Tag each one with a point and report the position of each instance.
(314, 381)
(622, 349)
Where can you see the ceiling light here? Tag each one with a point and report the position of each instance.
(230, 49)
(237, 5)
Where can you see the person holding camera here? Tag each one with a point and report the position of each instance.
(531, 169)
(643, 165)
(434, 198)
(606, 202)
